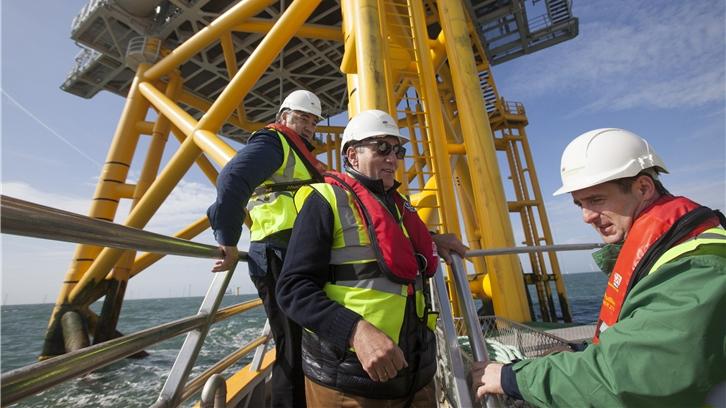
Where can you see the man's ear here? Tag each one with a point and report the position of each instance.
(352, 155)
(645, 186)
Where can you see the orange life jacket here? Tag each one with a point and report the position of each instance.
(396, 254)
(298, 145)
(644, 236)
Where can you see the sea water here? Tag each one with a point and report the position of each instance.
(137, 382)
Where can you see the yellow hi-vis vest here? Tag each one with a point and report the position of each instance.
(711, 236)
(359, 284)
(274, 211)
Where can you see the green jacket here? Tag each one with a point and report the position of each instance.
(667, 350)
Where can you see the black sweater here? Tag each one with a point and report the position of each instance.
(306, 270)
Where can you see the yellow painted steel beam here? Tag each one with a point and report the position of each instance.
(545, 225)
(203, 105)
(105, 203)
(210, 143)
(372, 89)
(202, 136)
(114, 173)
(160, 135)
(124, 190)
(145, 127)
(139, 216)
(348, 62)
(256, 64)
(230, 61)
(202, 161)
(456, 148)
(238, 382)
(395, 33)
(434, 119)
(506, 275)
(315, 31)
(206, 36)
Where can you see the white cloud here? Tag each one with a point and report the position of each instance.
(169, 277)
(186, 203)
(25, 191)
(663, 55)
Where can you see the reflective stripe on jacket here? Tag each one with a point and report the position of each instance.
(271, 206)
(667, 349)
(713, 236)
(357, 283)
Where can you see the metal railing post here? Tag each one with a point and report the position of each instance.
(262, 348)
(460, 386)
(471, 319)
(174, 385)
(214, 394)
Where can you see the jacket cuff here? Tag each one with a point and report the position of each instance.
(227, 238)
(508, 381)
(340, 328)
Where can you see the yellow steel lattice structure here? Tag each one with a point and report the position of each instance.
(421, 61)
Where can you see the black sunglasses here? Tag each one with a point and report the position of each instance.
(385, 148)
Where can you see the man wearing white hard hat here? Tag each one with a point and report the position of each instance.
(660, 339)
(358, 264)
(262, 177)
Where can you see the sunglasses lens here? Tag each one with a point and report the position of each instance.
(384, 149)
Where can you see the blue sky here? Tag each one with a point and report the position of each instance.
(654, 67)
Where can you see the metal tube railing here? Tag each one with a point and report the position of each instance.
(459, 384)
(199, 381)
(28, 380)
(468, 310)
(174, 385)
(471, 318)
(19, 217)
(23, 382)
(529, 249)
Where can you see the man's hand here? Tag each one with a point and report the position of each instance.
(380, 357)
(231, 256)
(447, 243)
(486, 379)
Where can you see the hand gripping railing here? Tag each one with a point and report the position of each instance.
(460, 388)
(471, 317)
(20, 217)
(462, 391)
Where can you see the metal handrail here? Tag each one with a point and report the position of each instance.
(471, 318)
(459, 384)
(19, 217)
(28, 380)
(199, 381)
(529, 249)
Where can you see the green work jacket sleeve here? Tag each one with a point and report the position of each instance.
(667, 350)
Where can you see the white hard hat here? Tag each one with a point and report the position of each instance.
(368, 124)
(602, 155)
(304, 101)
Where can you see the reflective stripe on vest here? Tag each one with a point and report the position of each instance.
(274, 211)
(350, 239)
(713, 236)
(380, 301)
